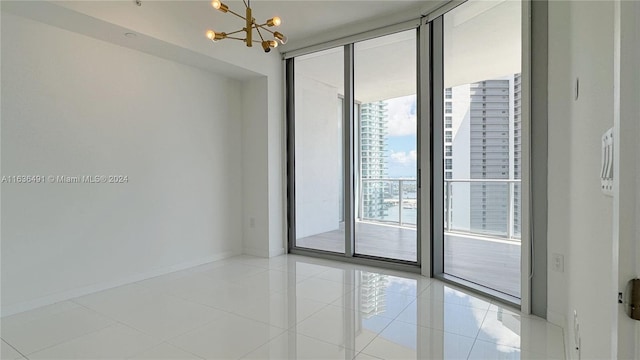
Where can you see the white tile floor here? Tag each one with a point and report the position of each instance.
(288, 307)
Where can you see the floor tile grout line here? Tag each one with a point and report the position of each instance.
(118, 322)
(461, 305)
(260, 321)
(193, 301)
(342, 307)
(310, 315)
(14, 348)
(367, 354)
(140, 283)
(391, 291)
(519, 348)
(249, 318)
(231, 280)
(173, 296)
(321, 340)
(441, 330)
(72, 339)
(42, 307)
(325, 305)
(170, 344)
(197, 328)
(153, 291)
(76, 337)
(280, 330)
(390, 322)
(226, 313)
(241, 261)
(476, 338)
(303, 335)
(261, 345)
(513, 347)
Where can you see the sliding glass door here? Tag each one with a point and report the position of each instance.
(480, 137)
(356, 122)
(353, 149)
(319, 151)
(387, 193)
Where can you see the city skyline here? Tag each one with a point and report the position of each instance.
(401, 136)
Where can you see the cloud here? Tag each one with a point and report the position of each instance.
(402, 116)
(402, 157)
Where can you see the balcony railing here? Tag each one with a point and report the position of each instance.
(484, 207)
(487, 207)
(393, 201)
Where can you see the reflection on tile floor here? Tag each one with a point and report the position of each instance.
(491, 262)
(288, 307)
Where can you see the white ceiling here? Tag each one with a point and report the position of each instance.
(482, 41)
(384, 67)
(182, 24)
(301, 19)
(482, 35)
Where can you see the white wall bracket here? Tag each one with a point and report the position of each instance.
(606, 172)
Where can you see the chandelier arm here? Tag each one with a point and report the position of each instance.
(259, 33)
(235, 32)
(248, 29)
(238, 15)
(262, 26)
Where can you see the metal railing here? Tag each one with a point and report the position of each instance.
(380, 198)
(494, 200)
(488, 207)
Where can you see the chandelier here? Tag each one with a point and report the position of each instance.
(250, 25)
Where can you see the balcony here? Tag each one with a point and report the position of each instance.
(495, 200)
(386, 225)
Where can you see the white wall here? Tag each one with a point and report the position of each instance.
(276, 207)
(580, 216)
(560, 93)
(254, 123)
(626, 167)
(173, 31)
(318, 143)
(73, 105)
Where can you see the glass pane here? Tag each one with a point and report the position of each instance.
(386, 146)
(482, 137)
(319, 92)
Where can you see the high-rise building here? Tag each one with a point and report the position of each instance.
(517, 154)
(482, 139)
(373, 148)
(372, 294)
(448, 153)
(490, 155)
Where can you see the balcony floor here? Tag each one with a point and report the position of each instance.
(488, 262)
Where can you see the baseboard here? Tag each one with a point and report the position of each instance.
(71, 294)
(561, 321)
(262, 252)
(255, 252)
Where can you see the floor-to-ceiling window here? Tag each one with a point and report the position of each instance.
(481, 139)
(353, 147)
(470, 103)
(386, 146)
(319, 172)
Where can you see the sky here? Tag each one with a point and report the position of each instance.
(401, 137)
